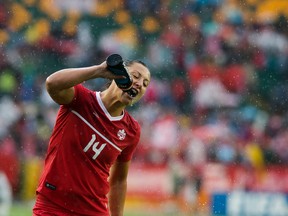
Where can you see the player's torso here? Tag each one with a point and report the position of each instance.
(83, 146)
(90, 133)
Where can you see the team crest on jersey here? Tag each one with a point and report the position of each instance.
(121, 134)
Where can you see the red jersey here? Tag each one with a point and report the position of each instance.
(85, 142)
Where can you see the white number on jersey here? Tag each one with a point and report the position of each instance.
(94, 147)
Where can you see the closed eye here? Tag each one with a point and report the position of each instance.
(137, 75)
(146, 83)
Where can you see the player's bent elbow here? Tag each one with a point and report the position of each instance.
(50, 84)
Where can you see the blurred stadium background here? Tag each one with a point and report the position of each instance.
(215, 129)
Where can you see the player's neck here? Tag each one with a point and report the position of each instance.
(112, 104)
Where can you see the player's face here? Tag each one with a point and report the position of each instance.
(141, 79)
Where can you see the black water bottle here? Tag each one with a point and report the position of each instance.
(115, 64)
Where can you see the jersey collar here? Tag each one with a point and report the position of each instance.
(111, 118)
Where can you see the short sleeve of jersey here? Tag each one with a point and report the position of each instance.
(80, 95)
(127, 153)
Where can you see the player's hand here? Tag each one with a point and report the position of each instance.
(105, 73)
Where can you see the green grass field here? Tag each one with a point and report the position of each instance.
(21, 209)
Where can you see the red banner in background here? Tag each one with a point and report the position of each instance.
(152, 181)
(220, 178)
(157, 181)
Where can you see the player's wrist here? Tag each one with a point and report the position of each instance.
(98, 71)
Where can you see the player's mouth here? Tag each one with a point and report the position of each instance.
(132, 92)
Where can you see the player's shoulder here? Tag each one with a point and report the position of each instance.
(83, 93)
(132, 121)
(83, 88)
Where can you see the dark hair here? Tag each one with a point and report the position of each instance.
(130, 62)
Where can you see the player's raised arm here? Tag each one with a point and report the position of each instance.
(60, 84)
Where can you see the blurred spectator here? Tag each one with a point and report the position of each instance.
(5, 195)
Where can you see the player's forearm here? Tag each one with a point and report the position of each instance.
(67, 78)
(117, 197)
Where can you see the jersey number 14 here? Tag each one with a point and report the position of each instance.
(95, 147)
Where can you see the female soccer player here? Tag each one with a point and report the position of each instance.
(91, 144)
